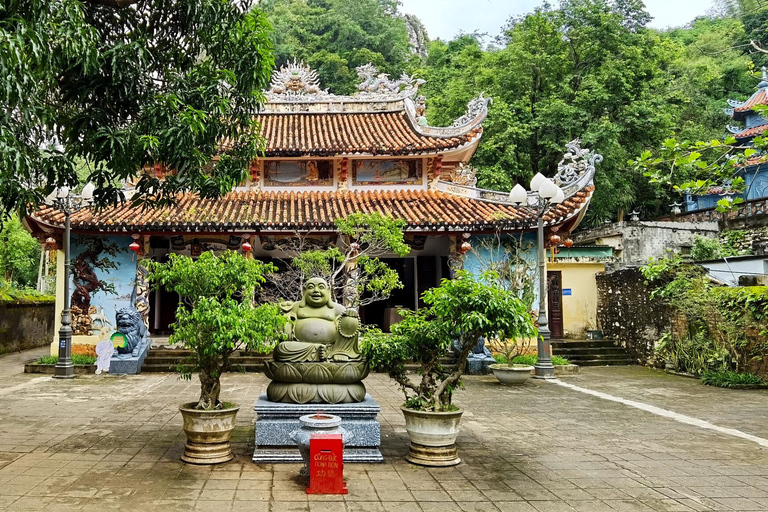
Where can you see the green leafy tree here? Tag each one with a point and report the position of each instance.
(19, 255)
(217, 316)
(586, 69)
(336, 36)
(462, 309)
(118, 88)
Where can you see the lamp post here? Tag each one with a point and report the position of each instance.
(545, 193)
(61, 199)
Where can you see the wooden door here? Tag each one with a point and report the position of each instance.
(555, 303)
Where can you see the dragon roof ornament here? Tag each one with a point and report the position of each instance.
(576, 162)
(475, 108)
(377, 85)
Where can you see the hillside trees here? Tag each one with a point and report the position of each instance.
(588, 69)
(336, 36)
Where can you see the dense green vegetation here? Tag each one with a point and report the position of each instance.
(713, 328)
(76, 359)
(19, 256)
(731, 379)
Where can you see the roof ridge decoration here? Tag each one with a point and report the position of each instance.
(296, 81)
(376, 85)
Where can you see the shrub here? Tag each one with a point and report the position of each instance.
(76, 359)
(730, 379)
(532, 359)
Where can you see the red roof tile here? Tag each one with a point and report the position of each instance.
(297, 211)
(328, 134)
(751, 132)
(759, 98)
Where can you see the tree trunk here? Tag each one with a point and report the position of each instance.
(210, 388)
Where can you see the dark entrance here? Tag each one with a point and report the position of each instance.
(555, 303)
(384, 313)
(162, 309)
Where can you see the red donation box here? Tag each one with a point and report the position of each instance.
(326, 464)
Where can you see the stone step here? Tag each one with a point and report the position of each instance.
(583, 343)
(575, 352)
(602, 362)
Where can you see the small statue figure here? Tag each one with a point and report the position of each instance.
(104, 351)
(130, 323)
(479, 359)
(321, 361)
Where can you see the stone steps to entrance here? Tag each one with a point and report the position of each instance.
(592, 352)
(168, 359)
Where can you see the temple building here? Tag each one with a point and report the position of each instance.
(325, 156)
(755, 172)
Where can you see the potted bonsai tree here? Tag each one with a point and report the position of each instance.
(215, 318)
(463, 309)
(505, 370)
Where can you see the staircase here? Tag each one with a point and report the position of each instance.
(592, 352)
(167, 359)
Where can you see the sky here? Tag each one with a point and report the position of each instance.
(446, 18)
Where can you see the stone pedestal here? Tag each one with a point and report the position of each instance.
(479, 366)
(275, 421)
(120, 364)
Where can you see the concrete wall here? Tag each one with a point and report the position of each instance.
(635, 243)
(626, 313)
(26, 325)
(579, 308)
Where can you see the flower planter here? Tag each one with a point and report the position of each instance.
(50, 369)
(208, 434)
(515, 374)
(433, 437)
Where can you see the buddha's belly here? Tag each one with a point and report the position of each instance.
(315, 330)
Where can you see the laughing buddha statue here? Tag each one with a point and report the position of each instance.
(321, 362)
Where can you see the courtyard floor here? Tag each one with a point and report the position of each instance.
(609, 439)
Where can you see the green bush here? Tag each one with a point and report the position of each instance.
(532, 359)
(730, 379)
(500, 358)
(76, 359)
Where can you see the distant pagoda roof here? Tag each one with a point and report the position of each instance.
(741, 109)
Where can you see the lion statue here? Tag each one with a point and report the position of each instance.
(130, 323)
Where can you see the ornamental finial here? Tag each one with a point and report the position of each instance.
(764, 82)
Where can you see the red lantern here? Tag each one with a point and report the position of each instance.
(247, 247)
(568, 243)
(465, 247)
(135, 247)
(554, 239)
(50, 243)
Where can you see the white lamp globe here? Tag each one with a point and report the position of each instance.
(537, 181)
(559, 197)
(518, 195)
(87, 193)
(548, 189)
(62, 192)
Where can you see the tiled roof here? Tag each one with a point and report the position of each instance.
(288, 211)
(759, 98)
(751, 132)
(329, 134)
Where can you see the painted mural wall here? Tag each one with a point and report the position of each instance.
(102, 278)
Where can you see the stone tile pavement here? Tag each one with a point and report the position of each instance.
(113, 443)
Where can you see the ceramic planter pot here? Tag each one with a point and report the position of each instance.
(433, 437)
(515, 374)
(208, 434)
